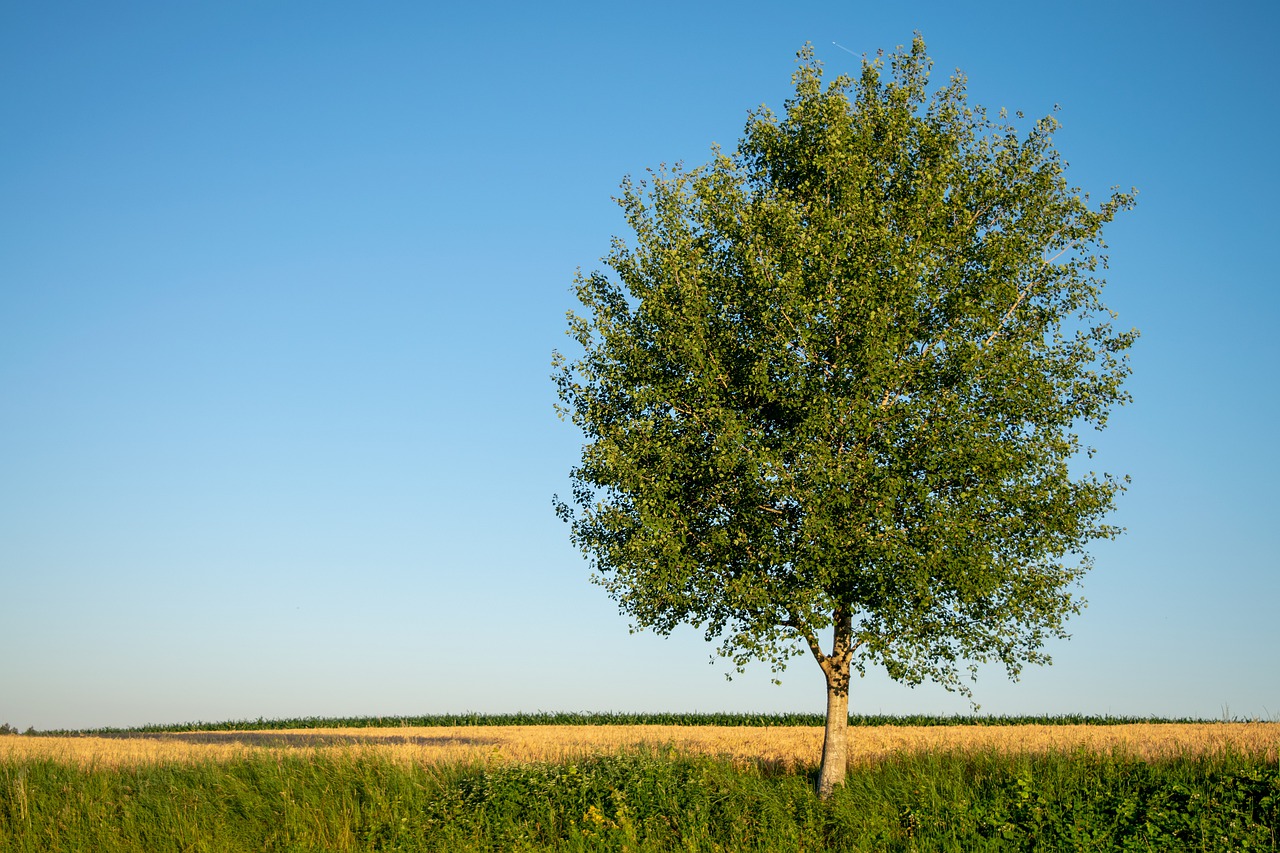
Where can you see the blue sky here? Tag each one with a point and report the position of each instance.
(279, 284)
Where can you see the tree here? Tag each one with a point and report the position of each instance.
(832, 393)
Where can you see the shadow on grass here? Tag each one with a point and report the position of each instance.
(296, 740)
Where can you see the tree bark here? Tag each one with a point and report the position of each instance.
(835, 666)
(835, 747)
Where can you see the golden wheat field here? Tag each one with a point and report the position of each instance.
(782, 746)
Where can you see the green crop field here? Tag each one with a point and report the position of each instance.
(544, 718)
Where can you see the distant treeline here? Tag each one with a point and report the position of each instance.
(610, 718)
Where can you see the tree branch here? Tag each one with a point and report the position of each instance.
(1044, 262)
(812, 641)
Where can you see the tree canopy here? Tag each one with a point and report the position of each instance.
(832, 389)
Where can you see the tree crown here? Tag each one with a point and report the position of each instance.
(838, 376)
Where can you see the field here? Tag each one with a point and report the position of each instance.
(790, 748)
(1035, 786)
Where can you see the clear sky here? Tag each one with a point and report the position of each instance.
(279, 284)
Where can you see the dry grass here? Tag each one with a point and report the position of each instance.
(778, 746)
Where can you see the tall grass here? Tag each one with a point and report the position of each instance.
(642, 801)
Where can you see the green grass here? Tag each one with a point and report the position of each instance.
(543, 718)
(642, 801)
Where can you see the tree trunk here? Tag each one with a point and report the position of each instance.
(835, 666)
(835, 751)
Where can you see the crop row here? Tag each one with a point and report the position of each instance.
(559, 718)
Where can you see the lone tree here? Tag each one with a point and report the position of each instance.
(831, 396)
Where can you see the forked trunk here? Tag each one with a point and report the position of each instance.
(835, 750)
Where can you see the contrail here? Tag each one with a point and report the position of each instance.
(845, 49)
